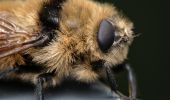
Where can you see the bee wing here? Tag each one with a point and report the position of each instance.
(14, 38)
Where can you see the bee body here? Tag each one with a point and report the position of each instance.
(66, 38)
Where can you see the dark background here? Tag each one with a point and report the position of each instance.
(149, 53)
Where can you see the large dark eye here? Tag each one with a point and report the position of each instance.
(105, 35)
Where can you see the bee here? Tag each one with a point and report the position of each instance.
(47, 41)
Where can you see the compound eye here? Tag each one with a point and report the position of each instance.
(105, 35)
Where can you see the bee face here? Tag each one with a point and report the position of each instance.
(114, 35)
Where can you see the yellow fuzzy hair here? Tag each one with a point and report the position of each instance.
(77, 36)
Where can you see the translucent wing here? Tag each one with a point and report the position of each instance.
(14, 38)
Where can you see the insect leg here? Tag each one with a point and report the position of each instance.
(111, 79)
(3, 73)
(131, 78)
(41, 81)
(132, 82)
(113, 84)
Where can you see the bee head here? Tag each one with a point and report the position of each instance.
(109, 35)
(113, 37)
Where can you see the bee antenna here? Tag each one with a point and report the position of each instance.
(137, 34)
